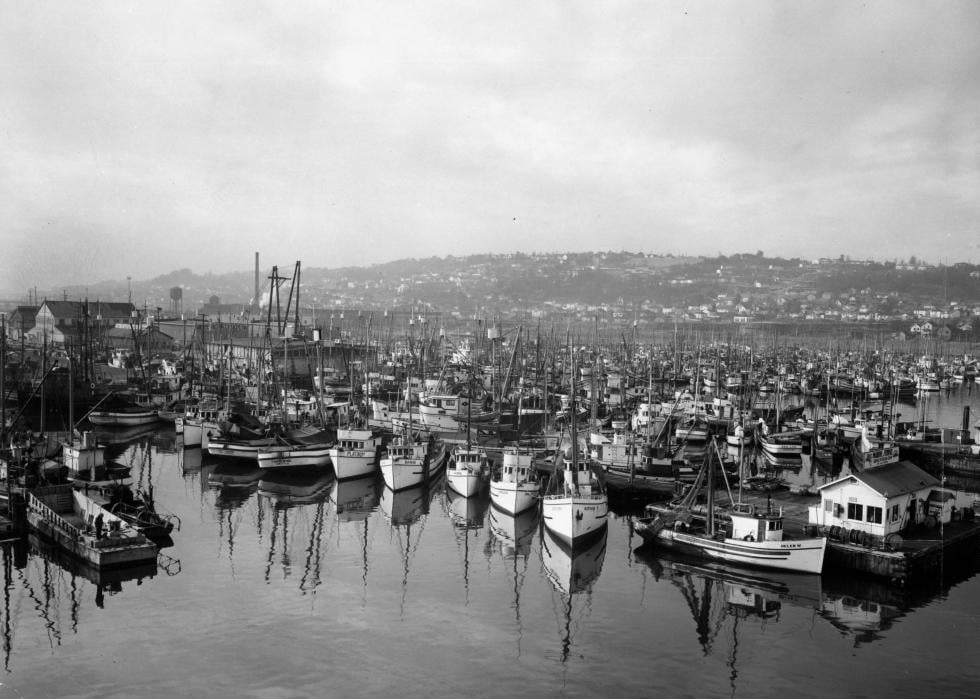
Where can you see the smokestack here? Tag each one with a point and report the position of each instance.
(255, 299)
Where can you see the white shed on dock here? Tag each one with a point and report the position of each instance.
(880, 501)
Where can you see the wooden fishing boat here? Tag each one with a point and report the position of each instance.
(410, 462)
(356, 453)
(750, 537)
(468, 470)
(515, 488)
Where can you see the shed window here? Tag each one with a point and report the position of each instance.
(874, 515)
(894, 513)
(828, 505)
(855, 511)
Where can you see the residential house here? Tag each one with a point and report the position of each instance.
(20, 321)
(880, 501)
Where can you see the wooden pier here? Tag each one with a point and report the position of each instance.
(921, 551)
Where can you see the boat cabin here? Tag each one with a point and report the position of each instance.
(445, 404)
(355, 439)
(84, 457)
(465, 457)
(880, 501)
(751, 525)
(515, 466)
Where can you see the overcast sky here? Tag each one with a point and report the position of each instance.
(143, 137)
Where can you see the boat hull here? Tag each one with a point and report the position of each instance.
(514, 497)
(237, 450)
(353, 464)
(400, 474)
(464, 481)
(108, 418)
(797, 555)
(289, 457)
(573, 519)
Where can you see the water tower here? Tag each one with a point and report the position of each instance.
(176, 301)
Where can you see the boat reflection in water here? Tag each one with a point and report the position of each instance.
(290, 487)
(467, 512)
(716, 593)
(468, 516)
(572, 573)
(512, 538)
(410, 505)
(750, 592)
(105, 580)
(407, 511)
(513, 534)
(190, 460)
(235, 482)
(355, 500)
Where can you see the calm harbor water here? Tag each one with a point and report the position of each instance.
(299, 586)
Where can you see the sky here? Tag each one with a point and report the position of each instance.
(141, 138)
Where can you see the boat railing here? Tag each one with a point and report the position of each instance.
(42, 511)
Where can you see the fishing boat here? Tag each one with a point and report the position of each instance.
(303, 447)
(750, 537)
(356, 453)
(85, 529)
(123, 410)
(294, 454)
(779, 443)
(577, 509)
(239, 447)
(449, 412)
(408, 462)
(515, 487)
(468, 469)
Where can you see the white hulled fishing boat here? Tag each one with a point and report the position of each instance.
(751, 537)
(515, 489)
(468, 470)
(578, 508)
(356, 452)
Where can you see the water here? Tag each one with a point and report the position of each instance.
(279, 587)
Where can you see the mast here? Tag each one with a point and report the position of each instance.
(574, 427)
(710, 527)
(3, 378)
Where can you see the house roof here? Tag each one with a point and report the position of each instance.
(27, 311)
(73, 309)
(899, 478)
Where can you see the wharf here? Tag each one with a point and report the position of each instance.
(921, 551)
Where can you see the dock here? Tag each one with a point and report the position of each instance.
(918, 552)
